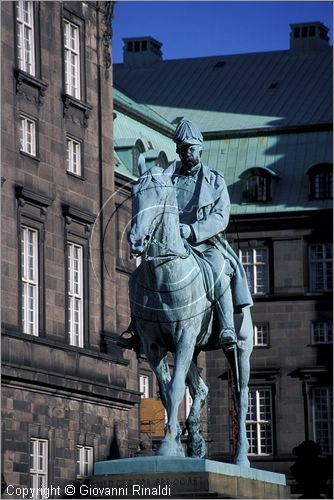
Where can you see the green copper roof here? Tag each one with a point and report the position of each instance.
(288, 157)
(262, 90)
(267, 91)
(128, 129)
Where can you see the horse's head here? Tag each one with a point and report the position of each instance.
(149, 200)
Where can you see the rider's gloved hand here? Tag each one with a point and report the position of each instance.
(185, 231)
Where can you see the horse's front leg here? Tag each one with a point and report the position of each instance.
(171, 444)
(244, 349)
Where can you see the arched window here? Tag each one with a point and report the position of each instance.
(137, 149)
(162, 160)
(257, 188)
(321, 181)
(257, 184)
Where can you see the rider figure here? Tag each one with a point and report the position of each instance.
(204, 210)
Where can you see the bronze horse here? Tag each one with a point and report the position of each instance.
(172, 311)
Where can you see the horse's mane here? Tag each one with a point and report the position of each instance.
(155, 174)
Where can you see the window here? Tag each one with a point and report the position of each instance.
(77, 225)
(84, 461)
(27, 135)
(144, 386)
(323, 417)
(73, 156)
(25, 36)
(188, 400)
(321, 267)
(137, 150)
(39, 466)
(75, 294)
(321, 181)
(323, 186)
(257, 182)
(257, 188)
(259, 422)
(162, 160)
(29, 276)
(322, 332)
(72, 59)
(256, 265)
(261, 334)
(32, 213)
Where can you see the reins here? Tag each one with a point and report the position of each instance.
(172, 254)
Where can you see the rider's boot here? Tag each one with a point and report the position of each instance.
(227, 334)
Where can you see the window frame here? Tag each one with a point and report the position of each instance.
(188, 401)
(34, 38)
(68, 16)
(73, 296)
(257, 193)
(256, 325)
(72, 55)
(327, 268)
(23, 139)
(254, 266)
(27, 282)
(146, 392)
(137, 149)
(31, 212)
(77, 227)
(80, 463)
(329, 420)
(73, 140)
(260, 423)
(321, 182)
(35, 473)
(328, 332)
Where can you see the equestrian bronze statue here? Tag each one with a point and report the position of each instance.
(190, 292)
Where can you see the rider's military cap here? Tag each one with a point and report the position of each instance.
(187, 133)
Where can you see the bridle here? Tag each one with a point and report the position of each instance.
(171, 254)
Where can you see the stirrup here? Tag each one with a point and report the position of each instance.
(227, 338)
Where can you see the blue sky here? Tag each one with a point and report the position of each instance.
(204, 28)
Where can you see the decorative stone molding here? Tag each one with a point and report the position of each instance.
(31, 88)
(107, 36)
(77, 215)
(76, 110)
(36, 202)
(26, 195)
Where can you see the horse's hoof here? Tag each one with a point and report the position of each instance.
(170, 448)
(244, 462)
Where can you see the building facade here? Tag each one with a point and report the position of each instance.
(266, 120)
(71, 137)
(67, 389)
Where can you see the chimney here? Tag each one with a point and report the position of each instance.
(308, 36)
(141, 51)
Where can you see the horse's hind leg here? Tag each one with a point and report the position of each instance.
(196, 446)
(157, 358)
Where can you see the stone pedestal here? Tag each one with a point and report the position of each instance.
(174, 477)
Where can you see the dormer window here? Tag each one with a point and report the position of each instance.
(257, 184)
(137, 150)
(154, 157)
(257, 188)
(162, 160)
(321, 181)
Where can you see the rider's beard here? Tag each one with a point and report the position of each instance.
(191, 166)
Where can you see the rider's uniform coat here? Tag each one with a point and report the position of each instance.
(209, 220)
